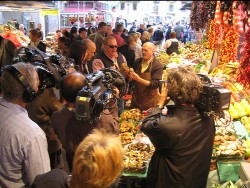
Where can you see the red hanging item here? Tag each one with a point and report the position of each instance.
(243, 75)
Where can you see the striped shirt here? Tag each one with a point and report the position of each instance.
(23, 147)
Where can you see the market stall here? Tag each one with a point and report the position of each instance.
(225, 61)
(217, 57)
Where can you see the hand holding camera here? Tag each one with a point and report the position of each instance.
(164, 99)
(116, 92)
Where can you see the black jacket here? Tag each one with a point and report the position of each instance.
(7, 52)
(107, 62)
(158, 35)
(183, 141)
(41, 46)
(129, 54)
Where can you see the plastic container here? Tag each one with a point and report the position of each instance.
(228, 167)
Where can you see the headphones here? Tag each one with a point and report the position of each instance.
(29, 93)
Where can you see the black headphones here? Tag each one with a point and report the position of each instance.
(29, 93)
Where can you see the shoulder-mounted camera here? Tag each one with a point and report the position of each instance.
(96, 96)
(214, 98)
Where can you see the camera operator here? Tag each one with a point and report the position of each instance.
(23, 147)
(70, 130)
(183, 138)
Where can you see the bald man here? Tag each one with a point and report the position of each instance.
(70, 130)
(86, 65)
(147, 73)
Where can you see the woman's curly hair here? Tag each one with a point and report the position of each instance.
(184, 85)
(98, 161)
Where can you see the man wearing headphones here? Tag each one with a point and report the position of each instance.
(23, 148)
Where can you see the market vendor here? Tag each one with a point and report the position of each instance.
(12, 37)
(172, 44)
(183, 139)
(147, 73)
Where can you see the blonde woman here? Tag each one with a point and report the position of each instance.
(139, 38)
(145, 37)
(98, 161)
(131, 40)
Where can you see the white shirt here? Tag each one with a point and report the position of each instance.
(23, 148)
(138, 51)
(169, 42)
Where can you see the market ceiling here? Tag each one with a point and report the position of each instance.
(28, 4)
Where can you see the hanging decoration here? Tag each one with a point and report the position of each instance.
(211, 9)
(218, 13)
(229, 46)
(193, 17)
(241, 9)
(237, 22)
(225, 5)
(243, 75)
(213, 35)
(201, 13)
(201, 16)
(225, 21)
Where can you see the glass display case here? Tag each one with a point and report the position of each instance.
(81, 14)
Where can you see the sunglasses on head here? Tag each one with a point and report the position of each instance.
(111, 46)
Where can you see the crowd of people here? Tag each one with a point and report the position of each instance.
(36, 128)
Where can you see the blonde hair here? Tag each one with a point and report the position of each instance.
(138, 34)
(145, 36)
(135, 35)
(98, 161)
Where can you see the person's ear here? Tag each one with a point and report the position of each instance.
(85, 55)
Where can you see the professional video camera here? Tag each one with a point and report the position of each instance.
(98, 93)
(55, 64)
(214, 98)
(46, 77)
(32, 54)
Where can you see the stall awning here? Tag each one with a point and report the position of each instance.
(75, 10)
(28, 4)
(187, 6)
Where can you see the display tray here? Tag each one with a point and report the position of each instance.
(138, 175)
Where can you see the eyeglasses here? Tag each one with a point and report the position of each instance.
(111, 46)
